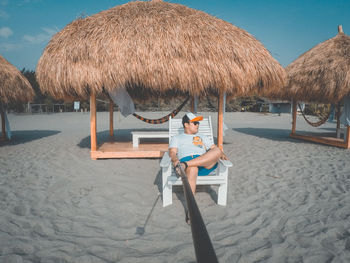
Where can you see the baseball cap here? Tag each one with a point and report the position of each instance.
(190, 117)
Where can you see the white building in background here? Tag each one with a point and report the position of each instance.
(282, 106)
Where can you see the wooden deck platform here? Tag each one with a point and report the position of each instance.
(329, 139)
(126, 150)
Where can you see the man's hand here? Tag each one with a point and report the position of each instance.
(175, 161)
(173, 156)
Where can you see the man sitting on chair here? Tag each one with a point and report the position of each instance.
(196, 153)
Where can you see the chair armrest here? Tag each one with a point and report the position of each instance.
(225, 163)
(166, 161)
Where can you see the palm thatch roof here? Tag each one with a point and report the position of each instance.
(322, 74)
(156, 47)
(13, 85)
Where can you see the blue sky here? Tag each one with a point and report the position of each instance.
(287, 28)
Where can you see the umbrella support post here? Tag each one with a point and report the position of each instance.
(347, 137)
(111, 109)
(220, 137)
(93, 125)
(3, 126)
(294, 122)
(338, 121)
(194, 102)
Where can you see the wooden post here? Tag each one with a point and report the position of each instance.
(111, 109)
(221, 120)
(93, 123)
(294, 122)
(194, 102)
(3, 124)
(347, 137)
(338, 121)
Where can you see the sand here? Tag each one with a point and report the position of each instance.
(288, 200)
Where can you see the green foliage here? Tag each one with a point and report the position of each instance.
(30, 75)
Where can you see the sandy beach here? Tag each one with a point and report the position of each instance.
(288, 200)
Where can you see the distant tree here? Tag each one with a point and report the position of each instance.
(30, 75)
(40, 98)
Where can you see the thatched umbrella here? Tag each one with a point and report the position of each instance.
(321, 74)
(156, 47)
(13, 87)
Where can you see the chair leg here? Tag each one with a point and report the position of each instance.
(222, 194)
(222, 191)
(167, 195)
(167, 187)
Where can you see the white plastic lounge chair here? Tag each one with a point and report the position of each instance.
(217, 177)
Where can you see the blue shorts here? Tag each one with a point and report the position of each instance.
(201, 170)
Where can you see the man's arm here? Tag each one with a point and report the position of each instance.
(173, 156)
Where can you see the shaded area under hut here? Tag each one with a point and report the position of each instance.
(13, 87)
(155, 48)
(321, 75)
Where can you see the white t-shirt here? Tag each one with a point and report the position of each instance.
(190, 144)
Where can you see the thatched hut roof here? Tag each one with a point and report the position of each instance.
(322, 74)
(13, 85)
(155, 47)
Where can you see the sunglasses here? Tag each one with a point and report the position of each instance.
(196, 122)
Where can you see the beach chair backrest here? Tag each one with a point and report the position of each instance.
(205, 127)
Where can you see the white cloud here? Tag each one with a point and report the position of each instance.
(9, 47)
(23, 2)
(4, 15)
(5, 32)
(41, 37)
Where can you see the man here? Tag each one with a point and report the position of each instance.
(197, 155)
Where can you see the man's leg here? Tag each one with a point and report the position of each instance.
(207, 160)
(192, 173)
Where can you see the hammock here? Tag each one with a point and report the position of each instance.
(315, 124)
(163, 119)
